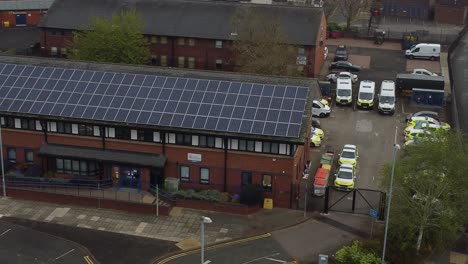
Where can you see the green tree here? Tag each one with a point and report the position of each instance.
(356, 254)
(261, 45)
(429, 207)
(118, 40)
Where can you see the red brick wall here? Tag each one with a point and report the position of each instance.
(450, 14)
(33, 17)
(317, 52)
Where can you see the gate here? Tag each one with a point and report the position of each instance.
(357, 201)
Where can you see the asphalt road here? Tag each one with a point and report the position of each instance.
(264, 250)
(106, 247)
(23, 245)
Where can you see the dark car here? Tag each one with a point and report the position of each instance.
(315, 122)
(344, 65)
(432, 114)
(341, 54)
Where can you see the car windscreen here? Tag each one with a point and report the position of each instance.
(366, 96)
(340, 52)
(343, 92)
(347, 155)
(345, 174)
(387, 99)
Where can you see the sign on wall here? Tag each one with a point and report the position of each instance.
(193, 157)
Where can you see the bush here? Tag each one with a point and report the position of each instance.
(332, 26)
(225, 197)
(251, 195)
(356, 254)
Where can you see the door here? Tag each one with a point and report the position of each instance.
(246, 178)
(130, 177)
(20, 19)
(156, 177)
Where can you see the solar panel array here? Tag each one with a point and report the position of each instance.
(226, 106)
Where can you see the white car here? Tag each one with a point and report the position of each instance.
(333, 76)
(319, 109)
(424, 72)
(349, 155)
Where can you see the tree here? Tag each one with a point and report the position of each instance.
(261, 45)
(118, 40)
(356, 254)
(350, 8)
(429, 206)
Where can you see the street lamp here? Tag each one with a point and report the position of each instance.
(204, 220)
(396, 147)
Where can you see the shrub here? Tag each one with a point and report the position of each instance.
(332, 26)
(251, 195)
(356, 254)
(225, 197)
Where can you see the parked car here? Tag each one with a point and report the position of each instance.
(315, 140)
(345, 65)
(344, 177)
(318, 132)
(424, 72)
(341, 54)
(316, 122)
(349, 155)
(431, 114)
(319, 109)
(332, 77)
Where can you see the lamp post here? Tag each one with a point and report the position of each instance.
(1, 160)
(204, 220)
(396, 147)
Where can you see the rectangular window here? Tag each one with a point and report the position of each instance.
(181, 62)
(3, 121)
(258, 146)
(154, 39)
(53, 51)
(75, 167)
(242, 144)
(38, 125)
(219, 143)
(191, 63)
(11, 154)
(163, 40)
(83, 168)
(17, 123)
(267, 182)
(179, 139)
(75, 129)
(180, 41)
(301, 51)
(63, 52)
(274, 148)
(184, 173)
(122, 133)
(133, 134)
(29, 155)
(204, 176)
(251, 145)
(246, 178)
(194, 140)
(234, 144)
(191, 42)
(156, 137)
(52, 126)
(219, 44)
(219, 64)
(67, 167)
(202, 141)
(145, 135)
(164, 60)
(282, 149)
(210, 142)
(266, 147)
(170, 138)
(110, 132)
(85, 130)
(59, 165)
(96, 131)
(187, 139)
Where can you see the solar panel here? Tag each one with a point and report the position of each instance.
(238, 107)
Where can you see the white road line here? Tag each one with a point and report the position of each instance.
(63, 255)
(253, 260)
(8, 230)
(207, 262)
(276, 260)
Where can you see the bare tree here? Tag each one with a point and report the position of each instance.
(350, 8)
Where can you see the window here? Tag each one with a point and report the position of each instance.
(191, 62)
(163, 40)
(274, 148)
(38, 125)
(301, 51)
(96, 131)
(53, 33)
(59, 165)
(154, 39)
(202, 141)
(67, 167)
(122, 133)
(191, 42)
(181, 62)
(63, 52)
(11, 154)
(85, 130)
(156, 137)
(29, 155)
(210, 142)
(17, 123)
(180, 41)
(251, 145)
(110, 132)
(53, 51)
(184, 173)
(219, 143)
(219, 64)
(154, 59)
(28, 124)
(266, 182)
(219, 44)
(194, 140)
(246, 178)
(83, 168)
(242, 144)
(76, 167)
(52, 126)
(133, 134)
(171, 138)
(164, 60)
(258, 146)
(234, 144)
(63, 127)
(266, 147)
(145, 135)
(204, 176)
(75, 129)
(283, 148)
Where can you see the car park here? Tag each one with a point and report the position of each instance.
(424, 72)
(387, 98)
(319, 109)
(349, 155)
(345, 65)
(341, 54)
(332, 77)
(366, 94)
(344, 177)
(344, 91)
(432, 114)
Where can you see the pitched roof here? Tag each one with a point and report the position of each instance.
(25, 5)
(185, 18)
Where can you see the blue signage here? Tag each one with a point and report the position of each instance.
(373, 213)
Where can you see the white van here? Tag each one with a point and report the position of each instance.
(344, 91)
(320, 109)
(387, 97)
(366, 94)
(423, 50)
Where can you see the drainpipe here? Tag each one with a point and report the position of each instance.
(163, 134)
(44, 129)
(225, 163)
(103, 133)
(172, 51)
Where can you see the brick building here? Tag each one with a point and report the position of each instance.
(23, 12)
(451, 12)
(190, 34)
(135, 126)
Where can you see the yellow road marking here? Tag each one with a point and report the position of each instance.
(164, 261)
(88, 260)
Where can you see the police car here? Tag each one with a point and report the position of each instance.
(349, 155)
(425, 119)
(344, 177)
(315, 140)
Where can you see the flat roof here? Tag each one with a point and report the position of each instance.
(219, 103)
(10, 5)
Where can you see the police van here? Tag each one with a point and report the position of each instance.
(387, 97)
(344, 91)
(366, 94)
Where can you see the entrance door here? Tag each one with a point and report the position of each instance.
(246, 178)
(20, 19)
(156, 177)
(130, 177)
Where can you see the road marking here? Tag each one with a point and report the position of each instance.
(402, 108)
(276, 260)
(88, 260)
(64, 254)
(253, 260)
(207, 262)
(140, 227)
(8, 230)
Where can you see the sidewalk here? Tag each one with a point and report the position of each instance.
(362, 43)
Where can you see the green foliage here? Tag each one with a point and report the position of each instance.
(356, 254)
(332, 26)
(204, 195)
(429, 206)
(118, 40)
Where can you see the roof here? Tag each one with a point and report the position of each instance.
(10, 5)
(185, 18)
(45, 106)
(152, 160)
